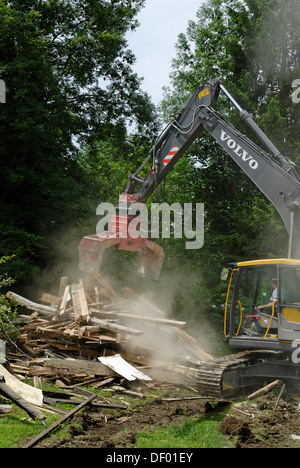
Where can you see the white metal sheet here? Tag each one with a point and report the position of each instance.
(122, 367)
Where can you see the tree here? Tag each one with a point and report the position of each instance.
(230, 39)
(69, 84)
(8, 310)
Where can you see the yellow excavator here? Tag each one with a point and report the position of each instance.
(266, 330)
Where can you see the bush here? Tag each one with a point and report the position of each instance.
(8, 310)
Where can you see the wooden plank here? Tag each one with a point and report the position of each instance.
(36, 439)
(62, 286)
(115, 327)
(78, 365)
(64, 300)
(214, 399)
(76, 302)
(104, 382)
(104, 284)
(45, 310)
(81, 310)
(155, 320)
(49, 298)
(84, 310)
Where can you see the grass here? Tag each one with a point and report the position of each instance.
(16, 427)
(197, 432)
(201, 432)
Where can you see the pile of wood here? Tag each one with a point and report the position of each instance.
(65, 335)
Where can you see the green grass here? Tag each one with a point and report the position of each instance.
(17, 427)
(201, 432)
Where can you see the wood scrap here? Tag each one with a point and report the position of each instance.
(89, 319)
(279, 396)
(131, 393)
(9, 393)
(264, 390)
(5, 409)
(36, 439)
(45, 310)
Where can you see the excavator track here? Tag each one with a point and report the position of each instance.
(220, 377)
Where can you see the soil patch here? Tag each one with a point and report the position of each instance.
(248, 424)
(258, 425)
(118, 429)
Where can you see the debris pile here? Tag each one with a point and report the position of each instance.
(67, 337)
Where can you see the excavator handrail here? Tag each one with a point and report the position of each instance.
(272, 316)
(241, 318)
(226, 303)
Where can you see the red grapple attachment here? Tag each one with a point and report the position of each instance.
(92, 248)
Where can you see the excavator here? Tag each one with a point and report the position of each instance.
(264, 332)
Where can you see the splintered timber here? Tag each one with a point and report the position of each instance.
(88, 321)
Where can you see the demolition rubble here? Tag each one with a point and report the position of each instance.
(91, 335)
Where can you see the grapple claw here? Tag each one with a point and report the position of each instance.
(92, 248)
(151, 258)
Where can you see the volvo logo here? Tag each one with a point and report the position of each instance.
(238, 150)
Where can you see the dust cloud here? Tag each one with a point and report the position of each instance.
(171, 343)
(61, 260)
(172, 297)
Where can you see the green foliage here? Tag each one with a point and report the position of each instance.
(253, 46)
(69, 85)
(64, 148)
(8, 311)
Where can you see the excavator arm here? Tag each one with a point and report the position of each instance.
(271, 172)
(169, 147)
(174, 141)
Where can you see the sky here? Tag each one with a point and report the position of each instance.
(153, 42)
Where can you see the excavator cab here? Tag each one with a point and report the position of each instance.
(262, 309)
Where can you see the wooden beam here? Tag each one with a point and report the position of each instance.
(64, 300)
(264, 390)
(45, 310)
(102, 281)
(36, 439)
(77, 366)
(139, 318)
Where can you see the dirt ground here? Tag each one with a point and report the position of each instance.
(245, 423)
(259, 425)
(118, 429)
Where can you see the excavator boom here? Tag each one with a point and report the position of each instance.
(169, 147)
(271, 172)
